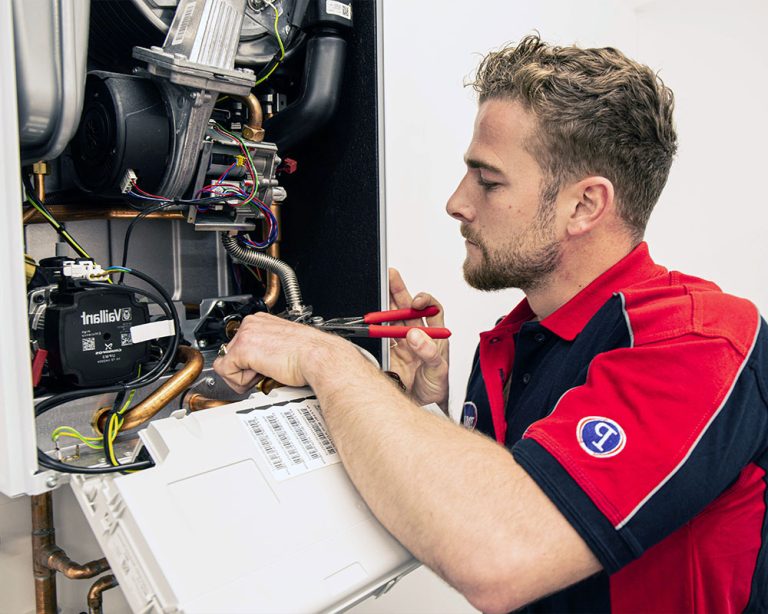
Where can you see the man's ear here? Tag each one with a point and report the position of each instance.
(591, 198)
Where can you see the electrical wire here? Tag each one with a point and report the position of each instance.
(48, 216)
(166, 304)
(267, 71)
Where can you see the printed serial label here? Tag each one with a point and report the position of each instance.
(186, 19)
(292, 438)
(332, 7)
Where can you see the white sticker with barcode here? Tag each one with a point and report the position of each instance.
(332, 7)
(292, 438)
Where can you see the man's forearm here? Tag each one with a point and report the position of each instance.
(456, 499)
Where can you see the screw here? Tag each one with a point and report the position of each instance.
(39, 298)
(210, 382)
(317, 320)
(220, 304)
(52, 481)
(202, 343)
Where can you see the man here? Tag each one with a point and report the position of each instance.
(632, 399)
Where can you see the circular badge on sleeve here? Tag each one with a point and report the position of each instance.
(601, 437)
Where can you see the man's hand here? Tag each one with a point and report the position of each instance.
(421, 362)
(267, 346)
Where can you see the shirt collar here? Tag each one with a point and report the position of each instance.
(569, 319)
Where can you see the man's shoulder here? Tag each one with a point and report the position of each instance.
(677, 304)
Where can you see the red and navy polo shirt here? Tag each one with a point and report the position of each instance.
(640, 407)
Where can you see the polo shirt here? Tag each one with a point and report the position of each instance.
(640, 407)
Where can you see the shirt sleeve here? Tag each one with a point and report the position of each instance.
(654, 434)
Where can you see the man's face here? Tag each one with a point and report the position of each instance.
(512, 241)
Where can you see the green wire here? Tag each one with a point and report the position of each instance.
(280, 44)
(58, 227)
(250, 160)
(69, 431)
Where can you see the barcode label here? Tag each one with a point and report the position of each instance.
(318, 429)
(286, 443)
(266, 445)
(186, 18)
(301, 433)
(293, 438)
(332, 7)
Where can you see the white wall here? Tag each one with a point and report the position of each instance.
(711, 220)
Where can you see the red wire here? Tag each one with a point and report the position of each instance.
(140, 191)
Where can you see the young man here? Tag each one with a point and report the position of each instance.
(619, 461)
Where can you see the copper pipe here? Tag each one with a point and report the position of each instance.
(29, 213)
(173, 387)
(198, 402)
(74, 213)
(43, 535)
(272, 293)
(95, 593)
(253, 130)
(57, 560)
(40, 170)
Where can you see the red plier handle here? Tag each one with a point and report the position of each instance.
(370, 324)
(379, 317)
(399, 332)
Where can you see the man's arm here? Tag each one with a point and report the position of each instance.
(457, 500)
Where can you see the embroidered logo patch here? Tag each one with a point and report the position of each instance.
(600, 437)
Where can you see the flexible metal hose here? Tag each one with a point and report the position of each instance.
(262, 261)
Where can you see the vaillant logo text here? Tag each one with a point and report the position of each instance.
(106, 315)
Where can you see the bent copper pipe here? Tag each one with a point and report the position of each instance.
(272, 292)
(48, 558)
(173, 387)
(95, 597)
(71, 213)
(198, 402)
(56, 559)
(253, 130)
(43, 536)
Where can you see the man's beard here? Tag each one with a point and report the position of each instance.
(525, 262)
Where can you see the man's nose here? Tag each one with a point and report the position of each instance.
(459, 205)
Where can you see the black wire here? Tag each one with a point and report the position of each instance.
(154, 208)
(166, 304)
(134, 221)
(50, 463)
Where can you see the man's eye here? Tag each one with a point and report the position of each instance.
(486, 185)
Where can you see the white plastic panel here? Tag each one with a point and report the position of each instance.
(217, 526)
(17, 433)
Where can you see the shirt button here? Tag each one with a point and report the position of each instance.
(540, 337)
(526, 378)
(495, 340)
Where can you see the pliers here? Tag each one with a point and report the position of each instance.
(369, 324)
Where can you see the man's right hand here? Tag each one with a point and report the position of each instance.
(421, 362)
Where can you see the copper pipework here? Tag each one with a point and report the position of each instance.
(57, 560)
(198, 402)
(174, 386)
(48, 558)
(272, 292)
(40, 170)
(29, 213)
(74, 213)
(43, 536)
(95, 596)
(253, 130)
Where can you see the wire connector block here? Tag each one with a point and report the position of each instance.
(128, 181)
(83, 269)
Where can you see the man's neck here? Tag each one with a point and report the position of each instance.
(579, 267)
